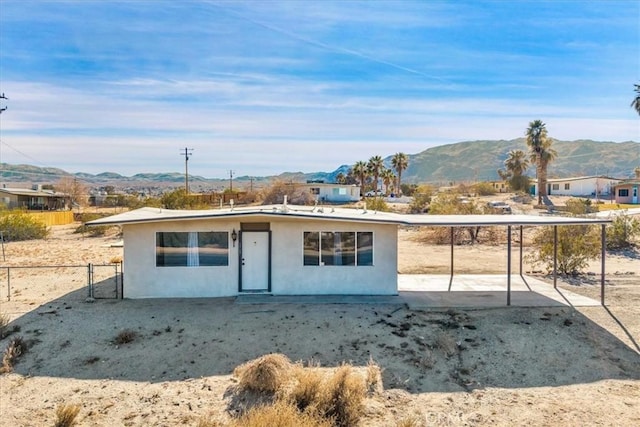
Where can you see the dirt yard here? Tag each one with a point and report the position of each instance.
(506, 366)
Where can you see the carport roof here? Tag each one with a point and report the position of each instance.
(150, 215)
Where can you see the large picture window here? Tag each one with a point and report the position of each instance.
(192, 249)
(623, 192)
(338, 248)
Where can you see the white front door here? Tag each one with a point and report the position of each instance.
(254, 261)
(634, 199)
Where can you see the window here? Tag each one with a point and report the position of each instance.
(567, 186)
(315, 190)
(192, 249)
(555, 186)
(338, 248)
(623, 192)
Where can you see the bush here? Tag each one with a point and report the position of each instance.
(280, 414)
(66, 415)
(296, 194)
(179, 199)
(19, 225)
(580, 206)
(343, 397)
(15, 349)
(264, 374)
(484, 189)
(577, 245)
(124, 337)
(421, 199)
(622, 231)
(377, 204)
(95, 231)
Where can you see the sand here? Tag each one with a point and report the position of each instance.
(499, 366)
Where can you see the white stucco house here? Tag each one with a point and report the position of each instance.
(581, 186)
(281, 250)
(333, 193)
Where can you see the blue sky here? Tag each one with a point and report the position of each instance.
(263, 87)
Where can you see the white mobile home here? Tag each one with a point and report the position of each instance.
(281, 250)
(333, 193)
(582, 186)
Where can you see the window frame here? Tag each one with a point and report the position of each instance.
(355, 256)
(218, 240)
(621, 190)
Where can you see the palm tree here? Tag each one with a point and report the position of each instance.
(541, 153)
(360, 170)
(387, 178)
(516, 165)
(636, 102)
(341, 178)
(400, 162)
(375, 166)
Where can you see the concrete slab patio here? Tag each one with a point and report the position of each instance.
(434, 291)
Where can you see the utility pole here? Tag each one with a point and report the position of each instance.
(186, 153)
(251, 184)
(1, 110)
(230, 181)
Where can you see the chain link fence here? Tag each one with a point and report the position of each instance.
(73, 282)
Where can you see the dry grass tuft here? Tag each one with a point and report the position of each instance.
(374, 377)
(15, 349)
(307, 388)
(280, 414)
(4, 322)
(447, 344)
(265, 374)
(66, 415)
(115, 260)
(411, 421)
(124, 337)
(342, 397)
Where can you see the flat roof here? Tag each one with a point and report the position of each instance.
(31, 192)
(150, 215)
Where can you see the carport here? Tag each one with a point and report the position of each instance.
(515, 223)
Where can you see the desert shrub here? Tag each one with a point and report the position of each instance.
(576, 206)
(421, 199)
(484, 189)
(264, 374)
(280, 414)
(66, 415)
(19, 225)
(411, 421)
(377, 204)
(296, 194)
(307, 387)
(408, 189)
(342, 397)
(622, 232)
(15, 349)
(94, 231)
(4, 322)
(577, 245)
(124, 337)
(179, 199)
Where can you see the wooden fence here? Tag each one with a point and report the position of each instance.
(53, 218)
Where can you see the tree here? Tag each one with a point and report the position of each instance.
(636, 101)
(541, 154)
(341, 178)
(375, 167)
(73, 189)
(388, 177)
(577, 245)
(400, 162)
(516, 165)
(361, 172)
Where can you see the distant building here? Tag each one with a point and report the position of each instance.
(34, 198)
(333, 193)
(582, 186)
(627, 191)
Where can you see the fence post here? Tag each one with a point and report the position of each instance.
(89, 281)
(8, 285)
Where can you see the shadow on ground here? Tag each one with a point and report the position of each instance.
(419, 350)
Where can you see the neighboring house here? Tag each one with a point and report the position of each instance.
(500, 186)
(34, 199)
(584, 186)
(333, 193)
(627, 191)
(282, 250)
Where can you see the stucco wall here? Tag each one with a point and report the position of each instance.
(142, 279)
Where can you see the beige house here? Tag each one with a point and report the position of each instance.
(34, 198)
(627, 191)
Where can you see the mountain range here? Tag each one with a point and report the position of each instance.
(463, 161)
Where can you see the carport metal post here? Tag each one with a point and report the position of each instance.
(509, 265)
(451, 277)
(603, 250)
(520, 251)
(555, 256)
